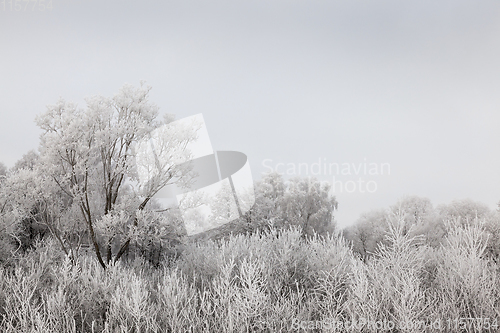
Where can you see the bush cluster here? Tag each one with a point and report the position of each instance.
(276, 281)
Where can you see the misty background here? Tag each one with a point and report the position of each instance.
(412, 84)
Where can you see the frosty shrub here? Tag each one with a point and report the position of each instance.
(273, 281)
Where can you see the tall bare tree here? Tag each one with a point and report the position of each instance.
(88, 153)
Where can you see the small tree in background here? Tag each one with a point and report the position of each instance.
(34, 226)
(8, 227)
(3, 170)
(269, 192)
(367, 233)
(413, 211)
(28, 161)
(34, 205)
(307, 203)
(303, 202)
(463, 212)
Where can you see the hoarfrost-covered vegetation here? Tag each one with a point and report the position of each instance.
(81, 251)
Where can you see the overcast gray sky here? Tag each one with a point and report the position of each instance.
(414, 84)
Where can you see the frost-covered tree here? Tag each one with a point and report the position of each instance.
(9, 223)
(24, 196)
(368, 232)
(463, 212)
(223, 206)
(411, 215)
(412, 211)
(269, 192)
(3, 170)
(34, 202)
(308, 204)
(303, 202)
(88, 154)
(28, 161)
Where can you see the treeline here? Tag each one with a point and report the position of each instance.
(419, 218)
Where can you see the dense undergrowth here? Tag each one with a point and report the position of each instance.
(268, 282)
